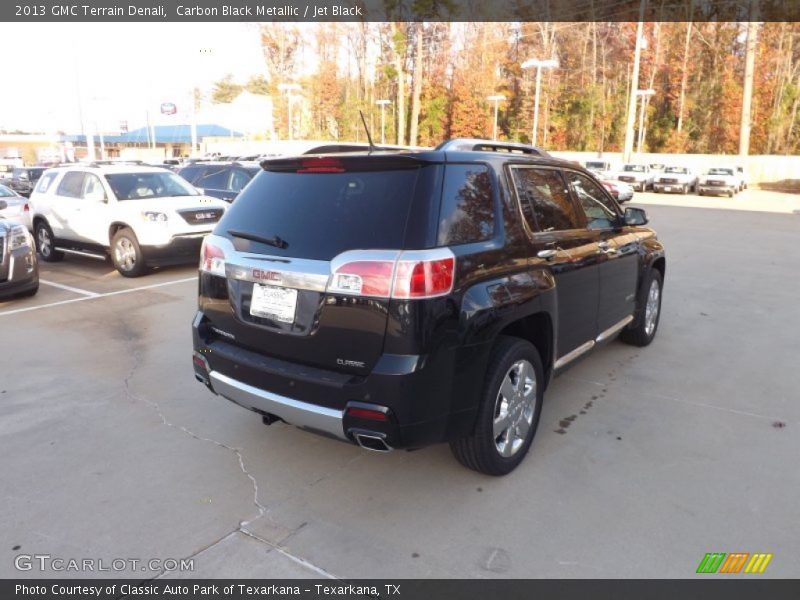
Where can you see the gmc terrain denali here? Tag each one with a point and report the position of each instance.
(399, 299)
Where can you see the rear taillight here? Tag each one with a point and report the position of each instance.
(212, 259)
(424, 278)
(388, 274)
(26, 208)
(364, 278)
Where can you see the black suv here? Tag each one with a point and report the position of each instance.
(223, 180)
(399, 299)
(23, 179)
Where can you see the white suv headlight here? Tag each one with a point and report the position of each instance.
(18, 238)
(154, 217)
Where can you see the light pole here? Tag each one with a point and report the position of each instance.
(496, 99)
(289, 88)
(382, 104)
(643, 94)
(550, 63)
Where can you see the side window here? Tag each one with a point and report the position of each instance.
(467, 212)
(239, 179)
(192, 174)
(599, 210)
(71, 185)
(215, 178)
(44, 182)
(93, 188)
(545, 200)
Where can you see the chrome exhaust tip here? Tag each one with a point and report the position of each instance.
(375, 442)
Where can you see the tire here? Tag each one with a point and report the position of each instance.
(126, 254)
(731, 193)
(45, 243)
(644, 327)
(482, 450)
(700, 193)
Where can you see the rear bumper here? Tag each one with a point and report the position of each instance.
(414, 392)
(303, 414)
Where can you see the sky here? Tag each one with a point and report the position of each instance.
(59, 75)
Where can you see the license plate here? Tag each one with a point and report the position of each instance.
(273, 302)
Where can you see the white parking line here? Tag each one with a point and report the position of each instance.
(69, 288)
(118, 292)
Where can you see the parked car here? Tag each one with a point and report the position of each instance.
(743, 178)
(676, 179)
(139, 216)
(718, 181)
(19, 271)
(14, 206)
(622, 192)
(400, 299)
(23, 179)
(639, 176)
(223, 180)
(600, 168)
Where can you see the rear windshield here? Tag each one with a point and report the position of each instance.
(320, 215)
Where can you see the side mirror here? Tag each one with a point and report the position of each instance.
(635, 216)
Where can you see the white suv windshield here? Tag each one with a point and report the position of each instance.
(676, 170)
(635, 168)
(136, 186)
(720, 172)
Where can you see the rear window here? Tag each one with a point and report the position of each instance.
(320, 215)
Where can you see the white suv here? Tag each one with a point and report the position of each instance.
(140, 216)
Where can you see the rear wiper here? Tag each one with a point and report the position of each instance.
(254, 237)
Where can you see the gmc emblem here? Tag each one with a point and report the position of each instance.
(266, 275)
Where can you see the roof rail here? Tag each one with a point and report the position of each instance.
(478, 145)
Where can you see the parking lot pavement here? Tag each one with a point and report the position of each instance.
(77, 279)
(751, 199)
(645, 459)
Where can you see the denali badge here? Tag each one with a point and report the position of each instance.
(266, 275)
(350, 363)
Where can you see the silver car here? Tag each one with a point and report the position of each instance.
(14, 206)
(19, 270)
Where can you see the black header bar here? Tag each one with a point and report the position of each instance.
(105, 11)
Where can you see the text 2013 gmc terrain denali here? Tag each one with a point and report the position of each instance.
(400, 299)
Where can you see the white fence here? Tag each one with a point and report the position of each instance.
(759, 168)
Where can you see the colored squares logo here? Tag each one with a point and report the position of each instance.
(735, 562)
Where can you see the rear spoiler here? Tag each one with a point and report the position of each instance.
(341, 163)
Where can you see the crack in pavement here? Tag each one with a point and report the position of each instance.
(243, 524)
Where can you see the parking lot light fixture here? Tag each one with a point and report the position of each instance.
(289, 88)
(550, 63)
(496, 99)
(382, 104)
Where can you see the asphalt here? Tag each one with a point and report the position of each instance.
(645, 459)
